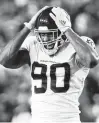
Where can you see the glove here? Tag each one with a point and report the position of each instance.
(31, 23)
(61, 18)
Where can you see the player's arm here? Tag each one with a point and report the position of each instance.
(10, 56)
(86, 55)
(85, 50)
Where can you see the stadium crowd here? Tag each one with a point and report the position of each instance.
(15, 86)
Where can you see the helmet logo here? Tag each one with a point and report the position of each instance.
(42, 20)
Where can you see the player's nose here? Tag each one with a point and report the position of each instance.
(45, 37)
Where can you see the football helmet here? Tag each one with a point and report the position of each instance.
(47, 33)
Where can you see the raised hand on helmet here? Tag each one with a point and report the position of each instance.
(31, 23)
(61, 18)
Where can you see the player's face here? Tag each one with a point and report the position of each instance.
(48, 39)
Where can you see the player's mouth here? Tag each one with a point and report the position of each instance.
(49, 47)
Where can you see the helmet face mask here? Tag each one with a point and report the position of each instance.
(47, 33)
(47, 38)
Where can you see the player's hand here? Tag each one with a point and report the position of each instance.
(61, 18)
(33, 19)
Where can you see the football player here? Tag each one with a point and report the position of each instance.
(59, 60)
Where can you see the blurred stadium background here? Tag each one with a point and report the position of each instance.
(15, 85)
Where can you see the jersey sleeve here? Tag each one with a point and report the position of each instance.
(91, 43)
(30, 40)
(88, 41)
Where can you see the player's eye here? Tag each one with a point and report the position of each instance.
(49, 34)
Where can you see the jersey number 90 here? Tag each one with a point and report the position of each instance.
(42, 76)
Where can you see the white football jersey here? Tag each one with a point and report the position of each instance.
(57, 83)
